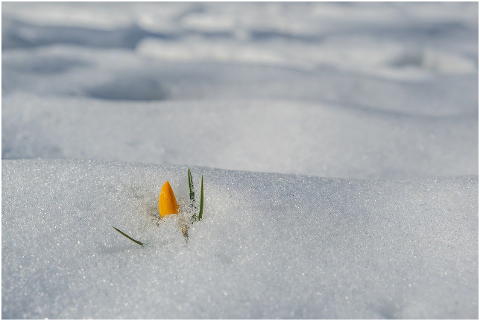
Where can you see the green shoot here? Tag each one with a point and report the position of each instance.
(128, 237)
(192, 196)
(201, 201)
(190, 185)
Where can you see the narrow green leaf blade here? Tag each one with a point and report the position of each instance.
(190, 185)
(201, 201)
(128, 237)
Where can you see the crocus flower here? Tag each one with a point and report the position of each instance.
(167, 204)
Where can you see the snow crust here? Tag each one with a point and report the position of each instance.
(338, 142)
(270, 245)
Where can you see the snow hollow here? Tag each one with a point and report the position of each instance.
(338, 144)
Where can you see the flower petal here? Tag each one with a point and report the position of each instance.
(167, 203)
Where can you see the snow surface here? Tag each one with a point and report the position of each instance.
(363, 118)
(271, 245)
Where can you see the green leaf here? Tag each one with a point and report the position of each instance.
(192, 197)
(190, 185)
(201, 201)
(128, 237)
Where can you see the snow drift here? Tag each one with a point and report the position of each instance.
(270, 245)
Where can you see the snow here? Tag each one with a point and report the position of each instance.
(338, 144)
(271, 245)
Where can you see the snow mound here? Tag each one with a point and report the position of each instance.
(322, 139)
(270, 245)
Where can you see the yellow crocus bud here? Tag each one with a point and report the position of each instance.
(167, 204)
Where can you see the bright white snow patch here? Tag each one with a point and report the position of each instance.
(270, 245)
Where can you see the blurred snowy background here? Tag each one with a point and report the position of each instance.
(377, 102)
(376, 90)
